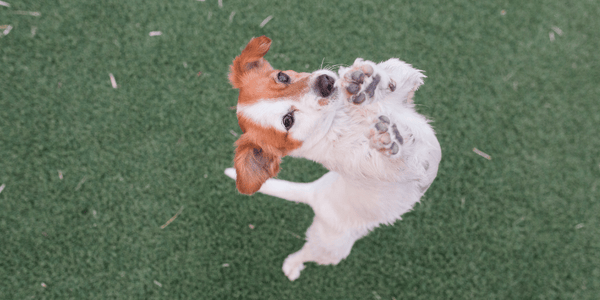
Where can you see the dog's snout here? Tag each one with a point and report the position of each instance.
(324, 85)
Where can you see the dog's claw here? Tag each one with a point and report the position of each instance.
(358, 99)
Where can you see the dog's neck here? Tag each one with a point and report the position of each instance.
(331, 138)
(321, 133)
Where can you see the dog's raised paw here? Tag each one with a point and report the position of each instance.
(385, 137)
(362, 80)
(231, 173)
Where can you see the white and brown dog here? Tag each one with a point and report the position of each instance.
(360, 124)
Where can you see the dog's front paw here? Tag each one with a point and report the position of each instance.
(292, 266)
(385, 137)
(363, 79)
(231, 173)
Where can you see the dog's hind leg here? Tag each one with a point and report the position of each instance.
(325, 245)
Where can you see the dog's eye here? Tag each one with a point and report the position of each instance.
(288, 120)
(283, 78)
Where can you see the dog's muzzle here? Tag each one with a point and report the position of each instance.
(324, 85)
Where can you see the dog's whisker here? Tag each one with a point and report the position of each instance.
(328, 67)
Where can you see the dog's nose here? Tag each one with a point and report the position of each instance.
(324, 85)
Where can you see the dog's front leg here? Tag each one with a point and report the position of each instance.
(292, 191)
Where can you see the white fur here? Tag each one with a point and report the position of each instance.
(262, 112)
(364, 188)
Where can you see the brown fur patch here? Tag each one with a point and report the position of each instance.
(253, 55)
(268, 138)
(263, 85)
(256, 79)
(258, 154)
(253, 167)
(260, 149)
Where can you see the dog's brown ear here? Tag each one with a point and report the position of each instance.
(250, 60)
(253, 166)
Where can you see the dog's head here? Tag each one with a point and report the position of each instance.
(277, 112)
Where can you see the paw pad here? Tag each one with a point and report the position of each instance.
(381, 127)
(370, 90)
(358, 76)
(385, 136)
(358, 99)
(397, 134)
(353, 88)
(361, 82)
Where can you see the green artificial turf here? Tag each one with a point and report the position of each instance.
(523, 225)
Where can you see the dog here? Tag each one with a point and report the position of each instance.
(360, 124)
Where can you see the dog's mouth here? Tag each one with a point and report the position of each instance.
(324, 85)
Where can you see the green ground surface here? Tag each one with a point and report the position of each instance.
(524, 225)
